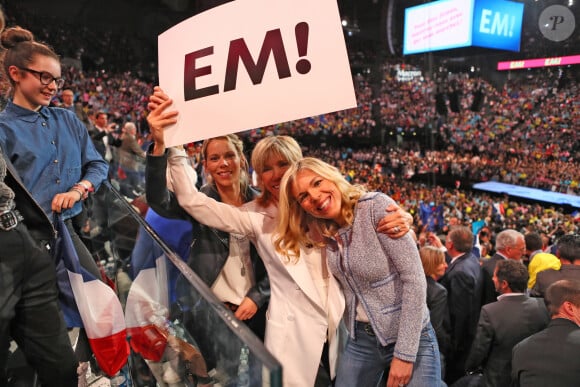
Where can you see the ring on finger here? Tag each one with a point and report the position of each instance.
(396, 229)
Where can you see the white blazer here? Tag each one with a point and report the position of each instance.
(297, 323)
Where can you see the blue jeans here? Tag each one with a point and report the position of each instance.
(365, 362)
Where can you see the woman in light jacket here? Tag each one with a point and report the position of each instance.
(382, 278)
(306, 303)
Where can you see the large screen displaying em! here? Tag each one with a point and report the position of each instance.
(447, 24)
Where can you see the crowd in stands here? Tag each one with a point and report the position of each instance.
(95, 47)
(465, 205)
(522, 133)
(530, 145)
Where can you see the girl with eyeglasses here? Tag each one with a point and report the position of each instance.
(49, 147)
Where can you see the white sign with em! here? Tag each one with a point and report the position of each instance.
(252, 63)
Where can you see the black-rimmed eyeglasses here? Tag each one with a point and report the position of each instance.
(44, 77)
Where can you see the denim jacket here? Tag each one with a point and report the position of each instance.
(50, 150)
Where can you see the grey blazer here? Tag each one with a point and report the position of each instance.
(385, 275)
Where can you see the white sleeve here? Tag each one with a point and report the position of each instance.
(191, 172)
(204, 209)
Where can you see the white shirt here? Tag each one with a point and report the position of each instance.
(237, 275)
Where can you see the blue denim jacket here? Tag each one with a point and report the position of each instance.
(51, 150)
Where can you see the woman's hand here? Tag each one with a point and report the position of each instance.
(158, 119)
(400, 373)
(396, 223)
(246, 310)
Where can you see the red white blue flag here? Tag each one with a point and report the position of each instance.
(92, 304)
(146, 310)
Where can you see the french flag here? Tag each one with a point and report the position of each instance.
(146, 310)
(90, 303)
(499, 210)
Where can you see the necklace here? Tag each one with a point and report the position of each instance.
(237, 241)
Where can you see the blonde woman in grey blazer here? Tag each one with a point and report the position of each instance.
(382, 278)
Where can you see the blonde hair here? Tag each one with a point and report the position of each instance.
(431, 258)
(238, 145)
(282, 146)
(296, 227)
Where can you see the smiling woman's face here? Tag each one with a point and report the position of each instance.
(271, 176)
(318, 196)
(223, 163)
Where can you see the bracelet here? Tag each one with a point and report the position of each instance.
(80, 189)
(75, 189)
(85, 186)
(84, 189)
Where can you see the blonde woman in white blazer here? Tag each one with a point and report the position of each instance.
(306, 303)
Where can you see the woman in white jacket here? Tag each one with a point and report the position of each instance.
(306, 303)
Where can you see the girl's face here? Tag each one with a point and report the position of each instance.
(30, 92)
(317, 196)
(223, 163)
(271, 176)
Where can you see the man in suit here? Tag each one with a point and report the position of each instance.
(509, 244)
(568, 251)
(504, 323)
(463, 283)
(552, 357)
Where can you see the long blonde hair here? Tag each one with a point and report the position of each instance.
(296, 228)
(283, 146)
